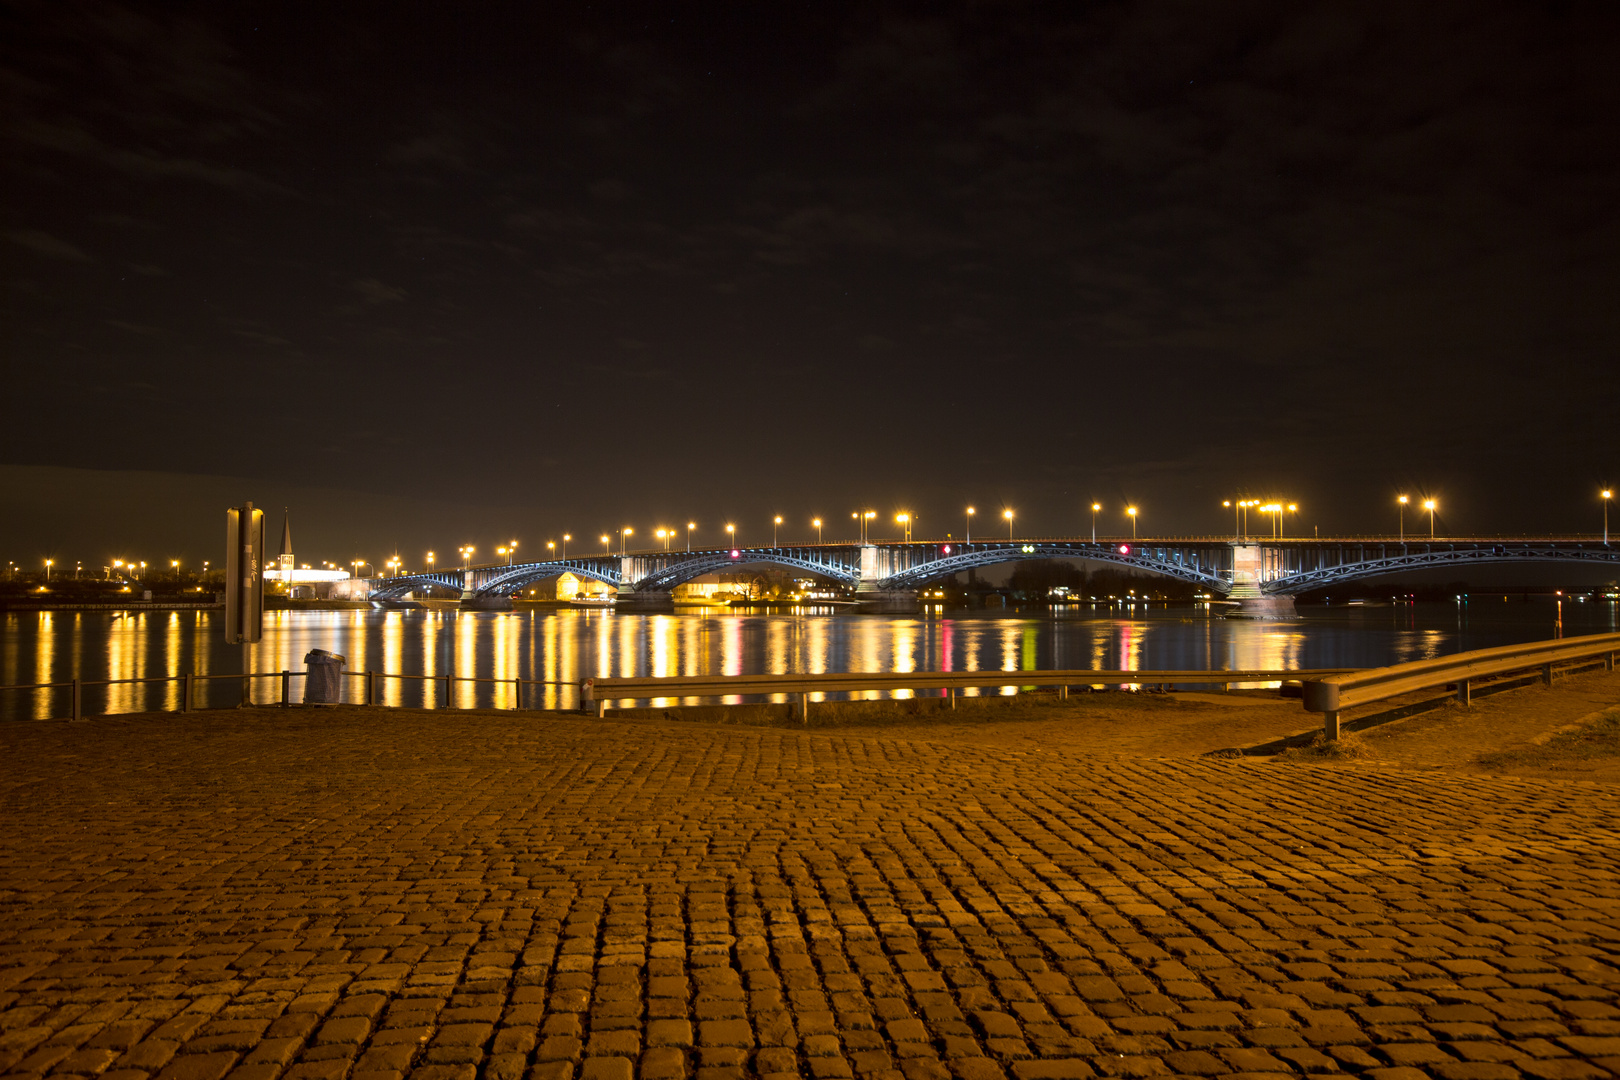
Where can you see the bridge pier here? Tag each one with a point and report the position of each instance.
(1248, 571)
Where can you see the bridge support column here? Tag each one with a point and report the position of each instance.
(1247, 573)
(645, 600)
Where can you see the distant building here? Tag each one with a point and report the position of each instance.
(300, 582)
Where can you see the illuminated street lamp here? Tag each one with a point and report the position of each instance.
(511, 551)
(607, 544)
(551, 548)
(905, 522)
(1401, 501)
(817, 523)
(731, 535)
(1430, 505)
(1096, 506)
(501, 551)
(76, 568)
(430, 562)
(1008, 514)
(1606, 495)
(1130, 511)
(775, 525)
(970, 513)
(690, 525)
(143, 570)
(48, 563)
(624, 532)
(663, 537)
(175, 565)
(566, 538)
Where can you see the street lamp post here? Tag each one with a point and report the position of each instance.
(970, 513)
(1607, 495)
(1096, 506)
(776, 524)
(1130, 511)
(1008, 514)
(175, 565)
(731, 535)
(905, 523)
(607, 545)
(501, 551)
(48, 563)
(624, 532)
(430, 562)
(817, 524)
(551, 548)
(566, 538)
(1430, 505)
(690, 525)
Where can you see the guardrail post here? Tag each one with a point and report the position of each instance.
(1063, 693)
(444, 702)
(1546, 674)
(950, 694)
(188, 692)
(78, 701)
(1330, 726)
(517, 694)
(370, 684)
(1464, 693)
(804, 707)
(1608, 662)
(286, 688)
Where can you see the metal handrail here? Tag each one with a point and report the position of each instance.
(189, 679)
(1332, 694)
(599, 692)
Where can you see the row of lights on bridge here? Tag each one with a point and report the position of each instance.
(905, 519)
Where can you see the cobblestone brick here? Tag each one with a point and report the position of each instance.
(549, 896)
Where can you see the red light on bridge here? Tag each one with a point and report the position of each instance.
(946, 550)
(1124, 549)
(735, 553)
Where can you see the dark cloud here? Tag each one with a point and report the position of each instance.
(43, 243)
(863, 253)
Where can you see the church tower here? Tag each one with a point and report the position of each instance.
(285, 559)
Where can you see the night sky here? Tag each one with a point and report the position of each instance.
(448, 274)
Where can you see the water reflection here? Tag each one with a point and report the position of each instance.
(564, 646)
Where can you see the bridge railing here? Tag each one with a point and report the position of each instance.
(1331, 695)
(596, 693)
(370, 688)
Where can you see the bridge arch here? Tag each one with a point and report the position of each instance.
(667, 577)
(1137, 558)
(513, 579)
(1302, 581)
(395, 587)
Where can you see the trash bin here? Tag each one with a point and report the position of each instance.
(323, 677)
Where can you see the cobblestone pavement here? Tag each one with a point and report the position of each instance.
(326, 895)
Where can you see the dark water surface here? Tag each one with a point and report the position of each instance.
(567, 645)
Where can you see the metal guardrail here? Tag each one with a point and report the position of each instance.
(370, 683)
(1335, 693)
(596, 693)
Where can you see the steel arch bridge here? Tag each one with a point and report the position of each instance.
(1304, 567)
(1237, 567)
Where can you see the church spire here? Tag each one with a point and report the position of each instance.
(286, 532)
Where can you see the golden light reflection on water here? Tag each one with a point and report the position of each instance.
(563, 646)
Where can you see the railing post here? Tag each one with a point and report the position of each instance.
(517, 695)
(1330, 725)
(1546, 674)
(286, 688)
(1464, 693)
(1608, 662)
(1063, 693)
(367, 700)
(950, 695)
(188, 693)
(78, 701)
(444, 702)
(804, 707)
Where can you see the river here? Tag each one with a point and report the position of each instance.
(566, 645)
